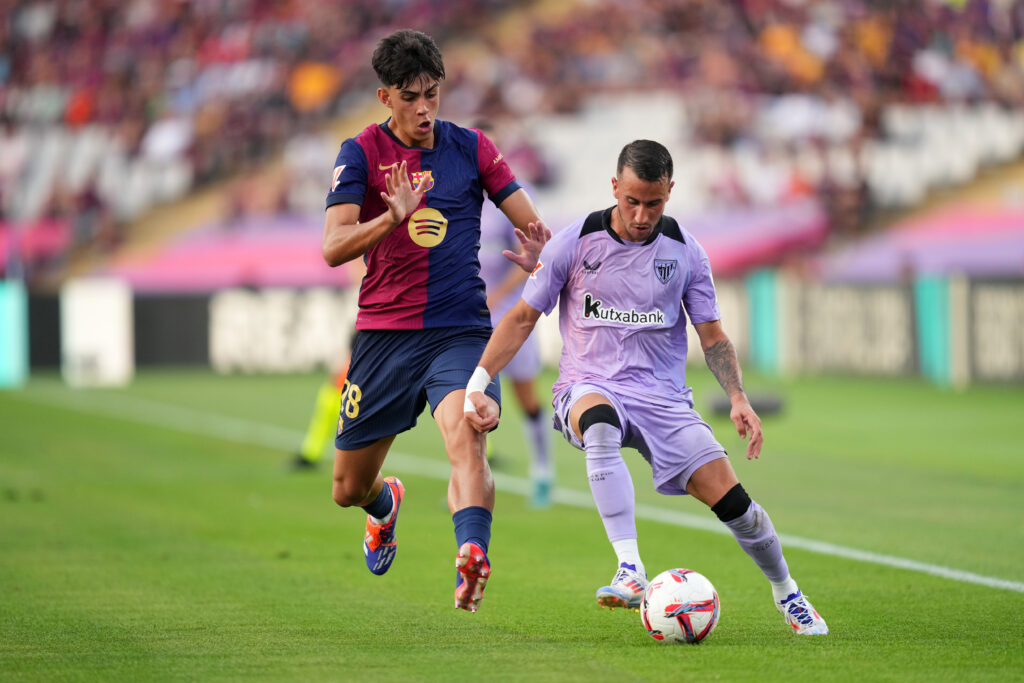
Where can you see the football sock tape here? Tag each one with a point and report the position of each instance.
(733, 504)
(599, 413)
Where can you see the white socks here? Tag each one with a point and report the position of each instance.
(628, 552)
(783, 589)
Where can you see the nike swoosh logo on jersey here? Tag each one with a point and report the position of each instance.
(385, 168)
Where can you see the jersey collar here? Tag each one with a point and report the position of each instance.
(606, 222)
(437, 136)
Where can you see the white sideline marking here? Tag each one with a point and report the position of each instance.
(267, 436)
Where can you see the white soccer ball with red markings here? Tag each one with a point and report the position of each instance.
(680, 606)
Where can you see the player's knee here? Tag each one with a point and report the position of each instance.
(465, 446)
(732, 505)
(602, 436)
(347, 492)
(599, 414)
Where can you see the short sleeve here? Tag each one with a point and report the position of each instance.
(349, 180)
(495, 174)
(551, 274)
(699, 298)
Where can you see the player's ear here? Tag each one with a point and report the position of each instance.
(384, 96)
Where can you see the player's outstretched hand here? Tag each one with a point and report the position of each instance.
(480, 412)
(747, 424)
(401, 197)
(531, 242)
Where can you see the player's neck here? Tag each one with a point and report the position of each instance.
(619, 227)
(425, 142)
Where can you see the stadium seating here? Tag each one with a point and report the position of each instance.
(863, 106)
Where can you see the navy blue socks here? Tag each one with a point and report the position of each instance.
(381, 505)
(473, 524)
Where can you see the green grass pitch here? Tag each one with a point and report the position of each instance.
(154, 533)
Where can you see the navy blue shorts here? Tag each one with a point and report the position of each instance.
(394, 373)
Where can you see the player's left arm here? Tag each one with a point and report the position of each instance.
(720, 355)
(529, 228)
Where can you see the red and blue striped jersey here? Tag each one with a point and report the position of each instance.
(426, 272)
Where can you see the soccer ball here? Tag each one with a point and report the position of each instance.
(680, 606)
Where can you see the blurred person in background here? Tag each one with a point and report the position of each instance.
(620, 275)
(504, 281)
(323, 423)
(406, 196)
(504, 285)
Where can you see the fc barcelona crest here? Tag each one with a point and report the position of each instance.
(665, 269)
(421, 175)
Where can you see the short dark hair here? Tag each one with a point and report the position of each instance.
(649, 160)
(404, 56)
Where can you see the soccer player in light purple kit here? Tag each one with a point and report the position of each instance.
(504, 282)
(406, 197)
(619, 276)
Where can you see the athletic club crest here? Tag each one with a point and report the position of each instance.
(665, 269)
(421, 175)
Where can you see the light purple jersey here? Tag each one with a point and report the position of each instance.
(621, 310)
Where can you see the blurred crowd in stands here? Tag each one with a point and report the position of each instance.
(111, 107)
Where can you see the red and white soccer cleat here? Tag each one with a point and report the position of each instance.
(472, 571)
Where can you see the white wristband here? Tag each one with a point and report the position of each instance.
(477, 382)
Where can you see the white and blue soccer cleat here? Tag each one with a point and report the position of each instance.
(801, 615)
(626, 589)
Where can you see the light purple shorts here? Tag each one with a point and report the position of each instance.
(672, 438)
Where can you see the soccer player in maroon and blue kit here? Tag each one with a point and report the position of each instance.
(406, 196)
(626, 279)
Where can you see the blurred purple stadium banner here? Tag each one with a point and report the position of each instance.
(265, 251)
(967, 239)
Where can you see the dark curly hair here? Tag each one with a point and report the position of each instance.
(404, 56)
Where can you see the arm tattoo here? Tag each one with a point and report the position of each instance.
(721, 359)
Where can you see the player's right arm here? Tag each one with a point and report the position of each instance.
(512, 330)
(345, 238)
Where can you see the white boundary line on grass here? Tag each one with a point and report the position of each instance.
(266, 436)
